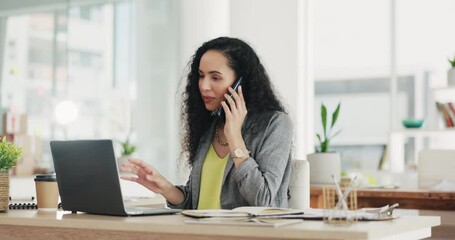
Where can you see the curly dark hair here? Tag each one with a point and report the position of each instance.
(257, 89)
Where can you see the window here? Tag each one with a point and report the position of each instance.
(61, 55)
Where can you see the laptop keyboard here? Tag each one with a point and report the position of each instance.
(138, 210)
(149, 210)
(134, 212)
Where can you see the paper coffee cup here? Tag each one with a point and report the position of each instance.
(46, 191)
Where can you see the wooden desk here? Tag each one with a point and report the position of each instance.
(408, 199)
(50, 225)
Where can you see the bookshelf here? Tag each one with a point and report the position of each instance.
(433, 131)
(441, 95)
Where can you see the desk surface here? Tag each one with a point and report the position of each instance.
(28, 224)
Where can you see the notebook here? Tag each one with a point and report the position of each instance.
(88, 179)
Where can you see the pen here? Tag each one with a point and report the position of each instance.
(346, 192)
(340, 194)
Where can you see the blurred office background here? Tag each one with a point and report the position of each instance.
(90, 69)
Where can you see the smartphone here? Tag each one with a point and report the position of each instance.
(220, 112)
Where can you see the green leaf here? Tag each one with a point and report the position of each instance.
(452, 61)
(9, 154)
(335, 115)
(327, 136)
(325, 146)
(324, 119)
(320, 140)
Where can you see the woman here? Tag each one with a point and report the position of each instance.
(239, 159)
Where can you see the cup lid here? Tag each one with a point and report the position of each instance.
(46, 177)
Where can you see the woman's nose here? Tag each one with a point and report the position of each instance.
(205, 84)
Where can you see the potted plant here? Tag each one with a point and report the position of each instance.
(127, 151)
(9, 154)
(127, 148)
(451, 72)
(324, 163)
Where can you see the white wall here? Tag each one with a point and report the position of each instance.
(424, 36)
(273, 28)
(202, 20)
(351, 36)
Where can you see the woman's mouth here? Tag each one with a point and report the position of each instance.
(207, 99)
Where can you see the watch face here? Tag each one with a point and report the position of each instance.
(238, 152)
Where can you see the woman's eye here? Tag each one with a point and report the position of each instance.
(215, 78)
(201, 76)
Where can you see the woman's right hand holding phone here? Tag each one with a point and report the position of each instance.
(235, 116)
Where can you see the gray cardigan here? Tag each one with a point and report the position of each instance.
(263, 179)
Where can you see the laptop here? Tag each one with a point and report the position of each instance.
(88, 179)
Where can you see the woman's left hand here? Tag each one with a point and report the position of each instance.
(235, 116)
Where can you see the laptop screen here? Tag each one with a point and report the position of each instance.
(87, 176)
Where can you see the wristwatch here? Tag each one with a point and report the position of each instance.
(239, 153)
